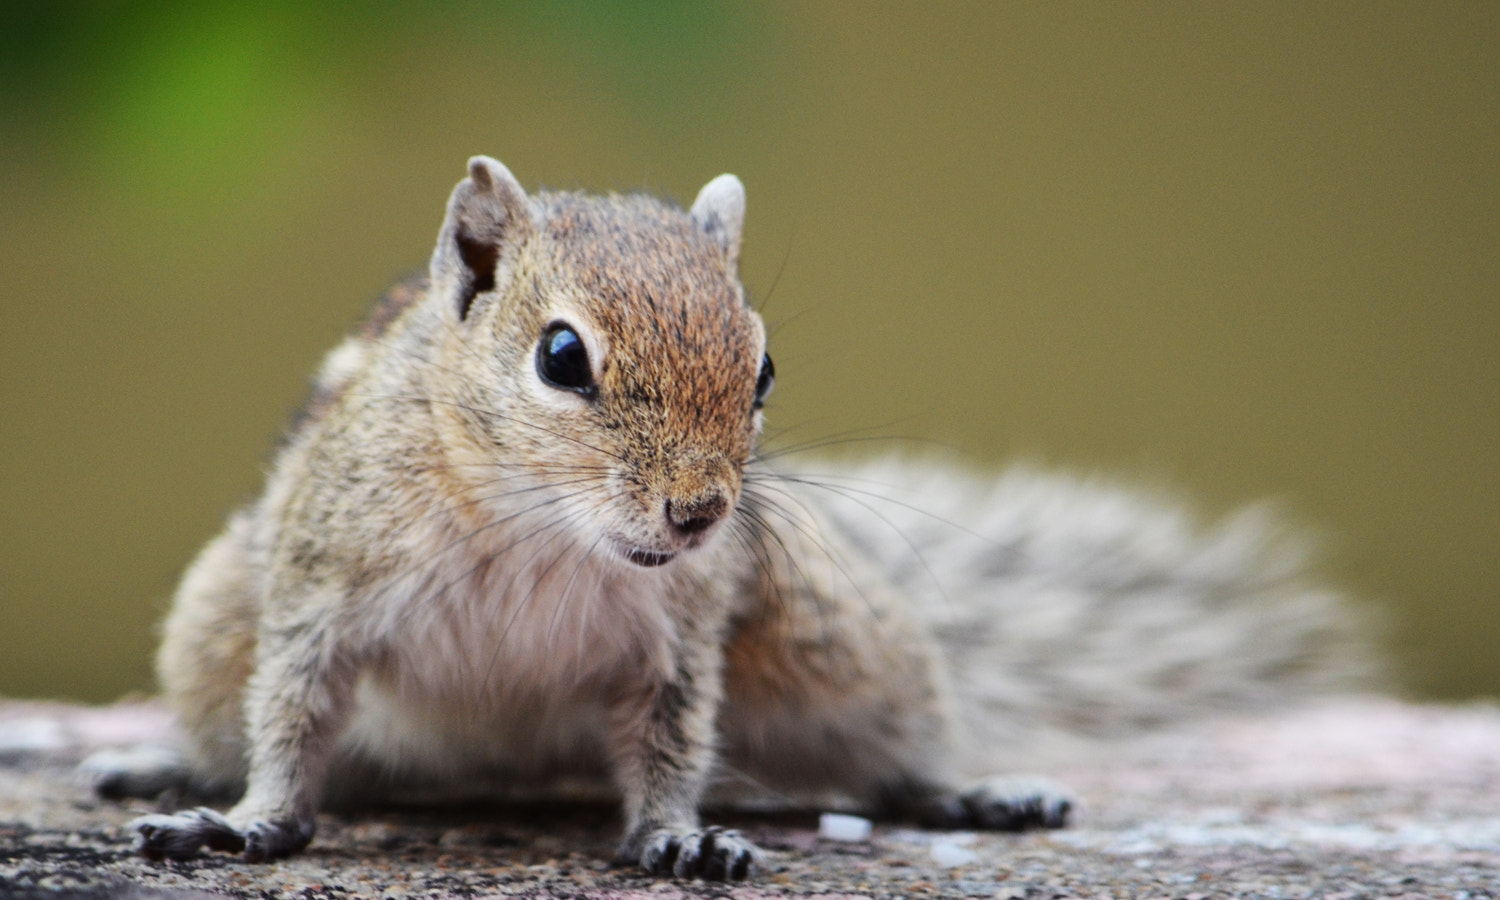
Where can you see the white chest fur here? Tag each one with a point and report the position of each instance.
(496, 653)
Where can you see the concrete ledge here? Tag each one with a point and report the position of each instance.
(1351, 798)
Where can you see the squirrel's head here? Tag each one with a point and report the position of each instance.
(607, 354)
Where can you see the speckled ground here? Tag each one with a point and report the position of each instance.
(1351, 799)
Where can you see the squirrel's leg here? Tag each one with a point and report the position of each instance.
(297, 702)
(830, 683)
(662, 733)
(206, 656)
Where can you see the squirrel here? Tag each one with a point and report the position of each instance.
(522, 527)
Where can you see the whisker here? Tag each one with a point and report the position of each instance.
(536, 581)
(491, 414)
(485, 560)
(447, 511)
(566, 595)
(846, 491)
(749, 533)
(847, 438)
(916, 552)
(775, 280)
(805, 533)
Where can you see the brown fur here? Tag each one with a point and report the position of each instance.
(459, 567)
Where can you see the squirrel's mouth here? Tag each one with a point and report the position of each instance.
(648, 558)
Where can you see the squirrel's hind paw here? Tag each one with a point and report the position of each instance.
(1011, 803)
(144, 772)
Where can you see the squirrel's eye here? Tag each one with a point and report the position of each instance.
(765, 382)
(563, 362)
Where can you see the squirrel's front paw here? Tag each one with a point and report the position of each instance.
(273, 840)
(714, 853)
(181, 835)
(1004, 804)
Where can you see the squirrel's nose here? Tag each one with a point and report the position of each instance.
(693, 515)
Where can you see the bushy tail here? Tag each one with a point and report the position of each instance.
(1070, 609)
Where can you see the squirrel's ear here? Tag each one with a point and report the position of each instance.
(488, 215)
(720, 212)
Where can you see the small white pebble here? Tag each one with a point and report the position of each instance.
(33, 735)
(839, 827)
(949, 854)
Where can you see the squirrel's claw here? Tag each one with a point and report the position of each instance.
(181, 835)
(1016, 803)
(714, 854)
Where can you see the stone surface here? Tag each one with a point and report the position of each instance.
(1350, 799)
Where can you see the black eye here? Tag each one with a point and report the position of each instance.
(563, 362)
(765, 381)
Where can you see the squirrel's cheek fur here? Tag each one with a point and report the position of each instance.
(516, 533)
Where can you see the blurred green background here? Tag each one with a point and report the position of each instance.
(1241, 249)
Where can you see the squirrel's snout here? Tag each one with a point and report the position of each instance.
(694, 515)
